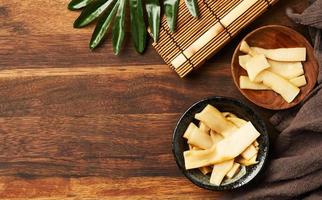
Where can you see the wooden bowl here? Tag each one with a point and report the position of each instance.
(273, 37)
(224, 104)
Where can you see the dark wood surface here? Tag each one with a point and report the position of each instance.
(77, 124)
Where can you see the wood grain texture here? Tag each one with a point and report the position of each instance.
(274, 37)
(76, 124)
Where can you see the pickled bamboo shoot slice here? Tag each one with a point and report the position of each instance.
(280, 85)
(215, 137)
(227, 149)
(243, 60)
(237, 121)
(283, 54)
(219, 171)
(233, 171)
(197, 138)
(203, 127)
(205, 170)
(245, 48)
(256, 65)
(214, 119)
(246, 84)
(287, 70)
(299, 81)
(250, 152)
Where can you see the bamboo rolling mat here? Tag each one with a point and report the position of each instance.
(196, 40)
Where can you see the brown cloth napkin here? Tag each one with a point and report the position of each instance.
(295, 171)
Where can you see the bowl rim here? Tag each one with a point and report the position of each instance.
(231, 186)
(234, 57)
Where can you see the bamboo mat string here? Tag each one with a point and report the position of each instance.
(178, 46)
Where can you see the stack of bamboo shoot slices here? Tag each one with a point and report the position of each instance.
(222, 144)
(280, 70)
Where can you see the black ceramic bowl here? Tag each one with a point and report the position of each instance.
(179, 144)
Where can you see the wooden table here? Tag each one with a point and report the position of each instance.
(77, 124)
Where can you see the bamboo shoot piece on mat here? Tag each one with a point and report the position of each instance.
(197, 45)
(235, 13)
(197, 138)
(283, 54)
(247, 84)
(219, 171)
(215, 120)
(280, 85)
(233, 171)
(227, 149)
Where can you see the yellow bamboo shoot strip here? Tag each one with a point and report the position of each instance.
(243, 60)
(233, 171)
(251, 150)
(246, 162)
(245, 48)
(214, 119)
(197, 138)
(256, 65)
(219, 171)
(212, 32)
(225, 150)
(299, 81)
(256, 144)
(287, 70)
(283, 54)
(203, 170)
(203, 127)
(215, 137)
(246, 84)
(280, 85)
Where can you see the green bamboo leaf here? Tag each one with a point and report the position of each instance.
(78, 4)
(92, 12)
(153, 10)
(118, 28)
(171, 13)
(193, 7)
(138, 29)
(102, 26)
